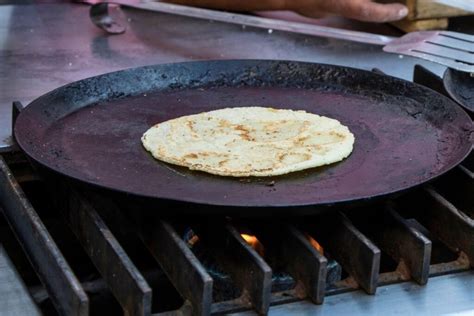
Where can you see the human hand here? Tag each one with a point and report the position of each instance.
(363, 10)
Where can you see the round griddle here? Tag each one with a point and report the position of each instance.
(90, 130)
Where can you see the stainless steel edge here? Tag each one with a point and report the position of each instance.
(444, 295)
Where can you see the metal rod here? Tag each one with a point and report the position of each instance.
(300, 259)
(356, 253)
(122, 277)
(248, 270)
(403, 242)
(449, 224)
(50, 265)
(255, 274)
(179, 263)
(306, 264)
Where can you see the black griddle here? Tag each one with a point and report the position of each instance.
(90, 131)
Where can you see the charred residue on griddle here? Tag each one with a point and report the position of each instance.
(256, 180)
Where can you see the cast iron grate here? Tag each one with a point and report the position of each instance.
(257, 264)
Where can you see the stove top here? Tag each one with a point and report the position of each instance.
(74, 252)
(143, 264)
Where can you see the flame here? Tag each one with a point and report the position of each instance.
(315, 244)
(254, 243)
(193, 240)
(251, 240)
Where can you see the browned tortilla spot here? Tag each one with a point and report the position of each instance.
(305, 155)
(190, 124)
(192, 156)
(221, 163)
(223, 123)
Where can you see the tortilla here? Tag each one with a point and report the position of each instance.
(250, 141)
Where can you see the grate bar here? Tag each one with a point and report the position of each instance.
(356, 253)
(64, 289)
(178, 262)
(442, 219)
(122, 277)
(301, 260)
(257, 276)
(306, 264)
(248, 270)
(405, 243)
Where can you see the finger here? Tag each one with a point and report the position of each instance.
(366, 10)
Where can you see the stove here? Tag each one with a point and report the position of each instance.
(84, 254)
(68, 251)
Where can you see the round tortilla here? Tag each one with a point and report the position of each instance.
(250, 141)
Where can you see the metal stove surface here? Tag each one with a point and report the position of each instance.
(444, 295)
